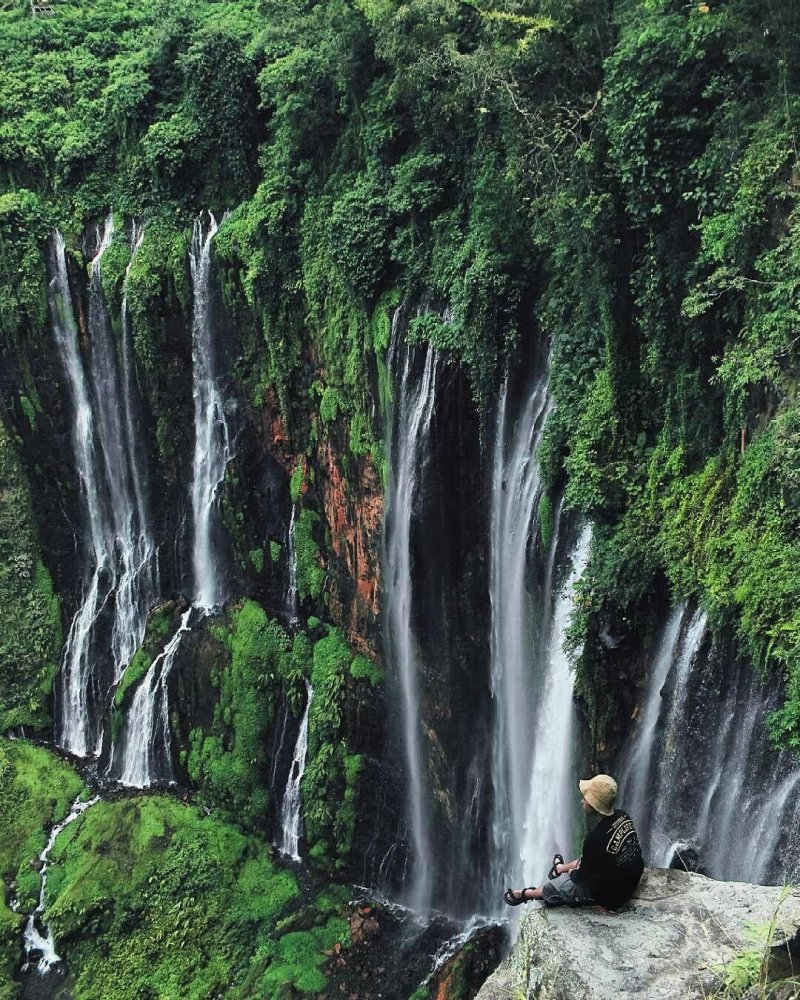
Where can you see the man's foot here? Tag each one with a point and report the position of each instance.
(513, 897)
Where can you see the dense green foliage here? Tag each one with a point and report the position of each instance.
(31, 638)
(622, 173)
(149, 897)
(230, 763)
(36, 791)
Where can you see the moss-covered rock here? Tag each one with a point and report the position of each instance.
(30, 643)
(149, 897)
(36, 790)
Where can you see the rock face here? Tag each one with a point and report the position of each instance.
(672, 942)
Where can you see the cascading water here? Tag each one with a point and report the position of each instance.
(77, 728)
(516, 491)
(34, 942)
(650, 756)
(699, 771)
(549, 827)
(291, 807)
(146, 755)
(143, 754)
(410, 428)
(636, 778)
(212, 446)
(139, 583)
(121, 555)
(291, 593)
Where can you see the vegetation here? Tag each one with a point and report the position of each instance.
(149, 897)
(36, 790)
(230, 763)
(31, 635)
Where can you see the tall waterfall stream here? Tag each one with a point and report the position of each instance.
(410, 428)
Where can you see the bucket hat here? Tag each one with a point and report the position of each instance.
(600, 792)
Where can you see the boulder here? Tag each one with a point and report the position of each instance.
(671, 942)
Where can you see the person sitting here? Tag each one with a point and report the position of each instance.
(610, 865)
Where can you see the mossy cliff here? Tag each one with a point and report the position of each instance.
(608, 185)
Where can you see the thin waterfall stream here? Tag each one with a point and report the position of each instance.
(410, 427)
(516, 492)
(552, 777)
(144, 753)
(291, 806)
(291, 593)
(212, 444)
(34, 941)
(735, 809)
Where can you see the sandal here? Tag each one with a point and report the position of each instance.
(513, 897)
(557, 860)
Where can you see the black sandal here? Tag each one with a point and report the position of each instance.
(511, 899)
(557, 860)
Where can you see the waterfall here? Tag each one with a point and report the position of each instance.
(34, 941)
(646, 777)
(409, 435)
(77, 728)
(516, 492)
(144, 755)
(139, 583)
(552, 792)
(291, 593)
(635, 775)
(212, 447)
(121, 554)
(291, 807)
(700, 758)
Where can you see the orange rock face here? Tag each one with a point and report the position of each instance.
(353, 510)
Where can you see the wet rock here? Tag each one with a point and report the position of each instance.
(669, 943)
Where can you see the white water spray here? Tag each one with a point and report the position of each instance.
(552, 792)
(516, 492)
(212, 448)
(121, 553)
(144, 754)
(736, 800)
(34, 942)
(76, 731)
(291, 594)
(291, 807)
(408, 443)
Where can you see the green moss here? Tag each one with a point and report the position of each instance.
(329, 785)
(134, 672)
(28, 409)
(275, 551)
(546, 520)
(149, 897)
(362, 668)
(30, 645)
(229, 762)
(256, 557)
(310, 574)
(296, 481)
(36, 790)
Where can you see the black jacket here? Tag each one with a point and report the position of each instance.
(611, 861)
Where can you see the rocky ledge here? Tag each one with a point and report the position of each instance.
(677, 939)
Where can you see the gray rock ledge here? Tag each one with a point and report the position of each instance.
(669, 943)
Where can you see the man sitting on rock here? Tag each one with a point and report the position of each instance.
(610, 864)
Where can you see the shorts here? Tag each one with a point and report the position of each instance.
(562, 891)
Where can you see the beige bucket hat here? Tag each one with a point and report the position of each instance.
(600, 792)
